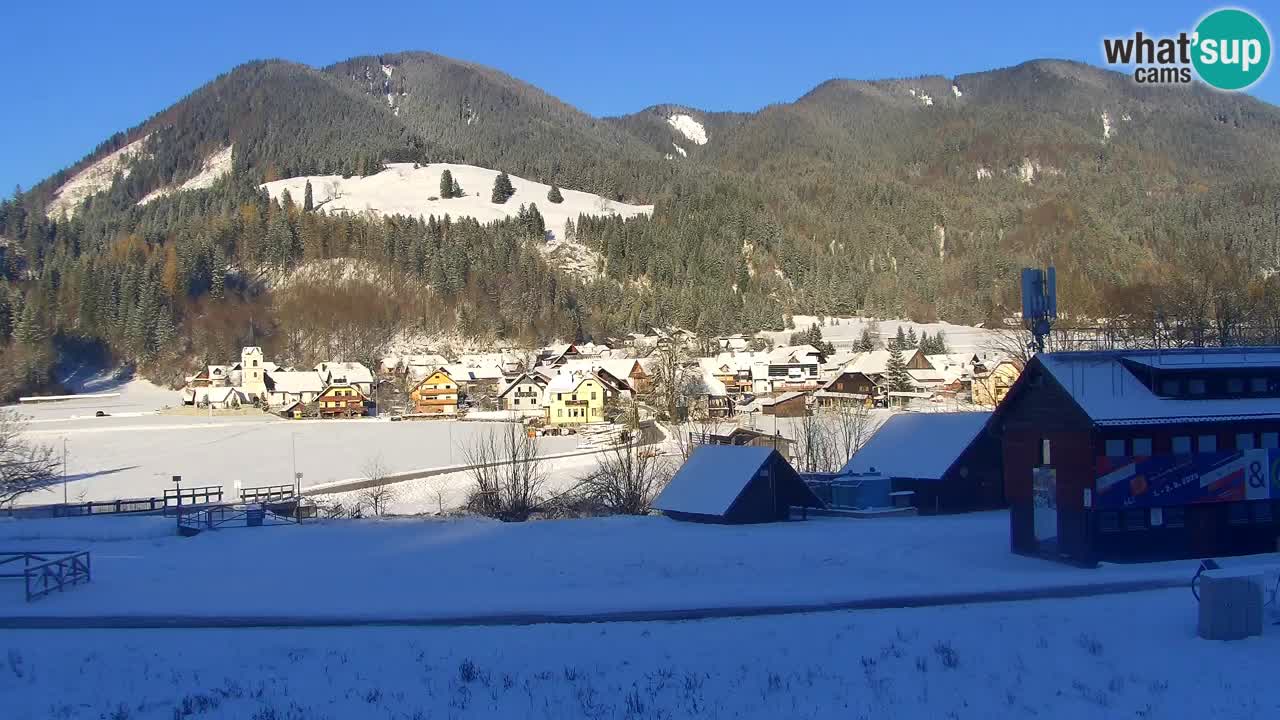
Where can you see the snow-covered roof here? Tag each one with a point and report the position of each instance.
(784, 397)
(620, 368)
(525, 379)
(876, 362)
(1110, 394)
(710, 367)
(794, 354)
(294, 382)
(712, 479)
(918, 445)
(465, 373)
(351, 372)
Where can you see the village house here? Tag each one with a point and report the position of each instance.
(436, 394)
(735, 485)
(788, 404)
(849, 388)
(793, 368)
(575, 398)
(558, 354)
(214, 398)
(211, 376)
(989, 388)
(629, 374)
(417, 367)
(347, 373)
(341, 400)
(524, 395)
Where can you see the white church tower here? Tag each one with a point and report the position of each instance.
(253, 383)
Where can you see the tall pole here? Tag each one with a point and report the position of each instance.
(64, 470)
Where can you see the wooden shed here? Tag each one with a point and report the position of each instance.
(951, 461)
(735, 485)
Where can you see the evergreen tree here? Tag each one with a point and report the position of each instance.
(456, 190)
(912, 340)
(940, 344)
(899, 341)
(925, 344)
(447, 185)
(866, 341)
(502, 189)
(896, 372)
(554, 195)
(308, 203)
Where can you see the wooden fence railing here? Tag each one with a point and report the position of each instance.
(46, 571)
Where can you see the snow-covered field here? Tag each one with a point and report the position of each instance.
(1123, 656)
(135, 451)
(404, 189)
(434, 568)
(843, 332)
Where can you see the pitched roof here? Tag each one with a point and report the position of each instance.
(1110, 393)
(876, 362)
(294, 382)
(352, 372)
(712, 479)
(918, 445)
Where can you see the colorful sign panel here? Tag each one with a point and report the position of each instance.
(1167, 480)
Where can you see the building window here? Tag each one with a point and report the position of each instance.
(1235, 386)
(560, 413)
(1115, 448)
(559, 396)
(1270, 440)
(1135, 519)
(517, 401)
(1207, 443)
(1169, 387)
(1045, 451)
(1244, 441)
(593, 396)
(1181, 445)
(1195, 386)
(1174, 517)
(1142, 447)
(1258, 384)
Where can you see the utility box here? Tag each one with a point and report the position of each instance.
(1230, 604)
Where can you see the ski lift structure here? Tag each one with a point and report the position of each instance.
(1039, 304)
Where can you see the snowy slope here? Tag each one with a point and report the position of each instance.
(93, 179)
(402, 189)
(212, 169)
(687, 126)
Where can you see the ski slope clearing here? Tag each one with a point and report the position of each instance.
(93, 179)
(402, 189)
(844, 332)
(1052, 660)
(464, 568)
(214, 168)
(687, 126)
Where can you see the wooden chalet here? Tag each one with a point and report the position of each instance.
(341, 400)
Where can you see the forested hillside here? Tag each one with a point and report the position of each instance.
(915, 197)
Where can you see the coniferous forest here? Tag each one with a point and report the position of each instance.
(1156, 206)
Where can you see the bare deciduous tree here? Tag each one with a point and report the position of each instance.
(507, 472)
(380, 493)
(629, 476)
(24, 466)
(825, 440)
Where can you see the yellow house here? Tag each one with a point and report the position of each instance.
(574, 399)
(437, 394)
(990, 388)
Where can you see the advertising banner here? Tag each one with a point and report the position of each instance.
(1167, 480)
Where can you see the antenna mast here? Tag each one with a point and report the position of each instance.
(1039, 304)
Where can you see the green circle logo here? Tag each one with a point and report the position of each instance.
(1232, 49)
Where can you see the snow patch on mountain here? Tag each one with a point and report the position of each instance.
(956, 91)
(983, 173)
(919, 95)
(94, 179)
(388, 69)
(1029, 169)
(688, 127)
(213, 169)
(403, 189)
(680, 150)
(1106, 126)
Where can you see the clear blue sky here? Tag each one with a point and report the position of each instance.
(78, 71)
